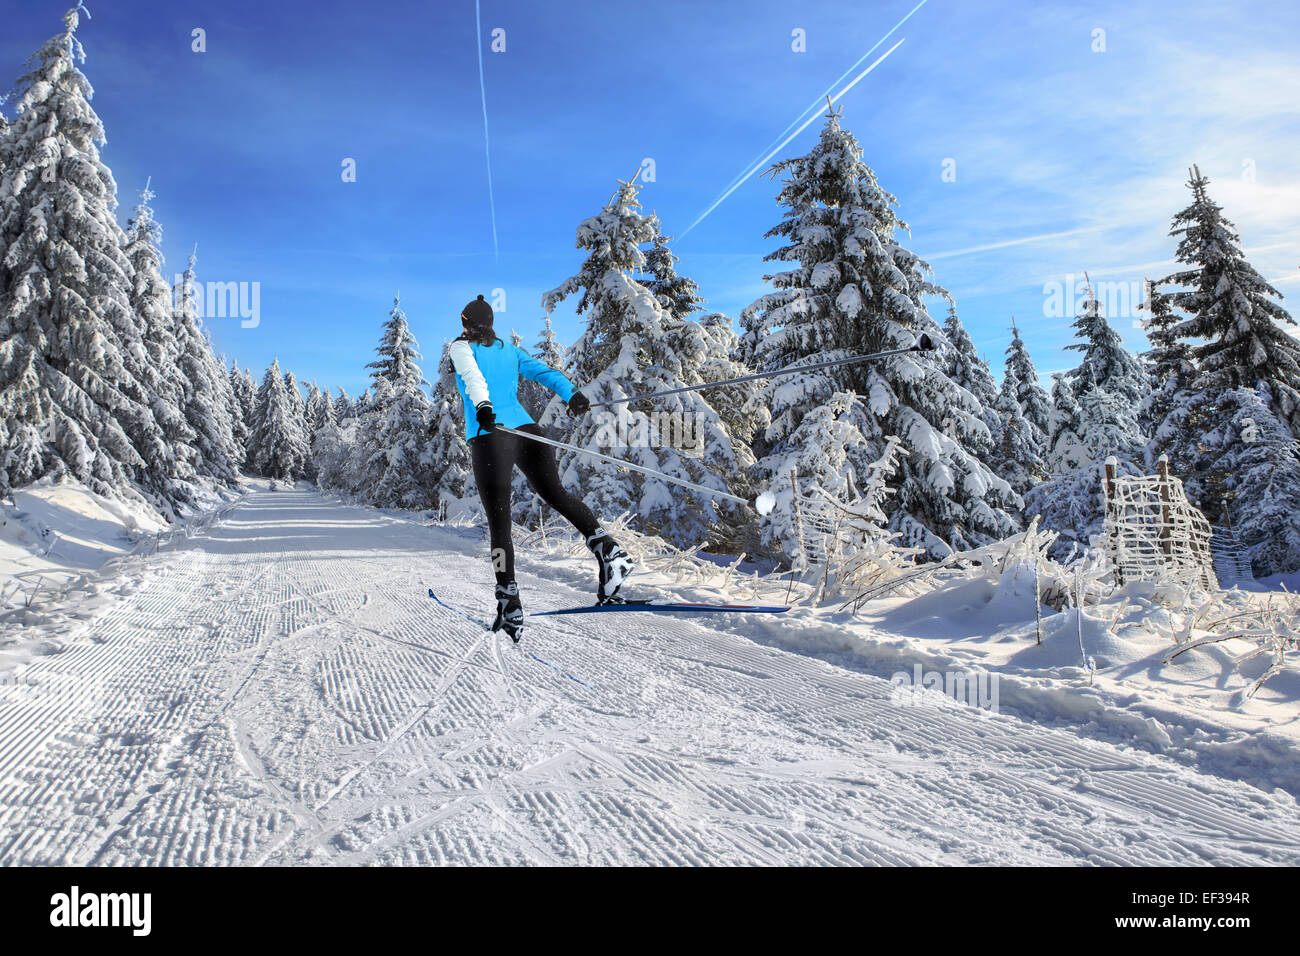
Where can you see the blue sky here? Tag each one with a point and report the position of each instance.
(1066, 158)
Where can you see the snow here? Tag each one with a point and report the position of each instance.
(1188, 709)
(55, 527)
(54, 537)
(278, 689)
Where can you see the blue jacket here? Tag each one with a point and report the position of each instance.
(492, 372)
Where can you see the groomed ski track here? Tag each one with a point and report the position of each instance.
(281, 690)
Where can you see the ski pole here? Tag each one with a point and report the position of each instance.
(923, 344)
(763, 504)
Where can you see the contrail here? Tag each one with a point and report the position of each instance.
(487, 148)
(1015, 242)
(759, 165)
(816, 105)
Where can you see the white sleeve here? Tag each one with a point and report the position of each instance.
(462, 360)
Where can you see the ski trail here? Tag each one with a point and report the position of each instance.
(281, 690)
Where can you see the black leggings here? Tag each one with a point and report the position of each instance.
(495, 456)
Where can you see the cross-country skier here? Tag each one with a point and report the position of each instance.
(487, 374)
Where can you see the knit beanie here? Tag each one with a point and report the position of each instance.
(477, 315)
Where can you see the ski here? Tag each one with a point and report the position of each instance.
(488, 628)
(456, 610)
(667, 607)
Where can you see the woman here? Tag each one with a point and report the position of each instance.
(487, 375)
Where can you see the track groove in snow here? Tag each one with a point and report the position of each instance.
(280, 690)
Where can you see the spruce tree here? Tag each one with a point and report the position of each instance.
(1022, 448)
(964, 367)
(296, 398)
(208, 399)
(70, 346)
(173, 461)
(343, 407)
(1018, 454)
(324, 414)
(1169, 366)
(1067, 452)
(396, 422)
(679, 295)
(854, 288)
(448, 452)
(241, 418)
(312, 405)
(1106, 365)
(1254, 471)
(1231, 310)
(277, 445)
(1030, 395)
(1095, 417)
(633, 345)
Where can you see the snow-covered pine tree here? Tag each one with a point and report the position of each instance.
(241, 416)
(527, 507)
(1067, 452)
(325, 414)
(1171, 369)
(1018, 454)
(448, 452)
(826, 452)
(630, 346)
(710, 347)
(1087, 430)
(172, 463)
(335, 448)
(312, 405)
(1106, 365)
(396, 421)
(1110, 427)
(1231, 310)
(964, 367)
(679, 295)
(343, 407)
(311, 415)
(1254, 469)
(294, 390)
(548, 350)
(1030, 394)
(856, 289)
(208, 399)
(70, 402)
(277, 445)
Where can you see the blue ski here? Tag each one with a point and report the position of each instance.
(474, 620)
(667, 607)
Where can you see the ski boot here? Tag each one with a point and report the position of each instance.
(510, 613)
(615, 566)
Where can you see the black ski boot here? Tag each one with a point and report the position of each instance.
(510, 613)
(615, 566)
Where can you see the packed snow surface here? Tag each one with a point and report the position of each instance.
(278, 688)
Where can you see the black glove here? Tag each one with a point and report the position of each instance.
(579, 404)
(486, 419)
